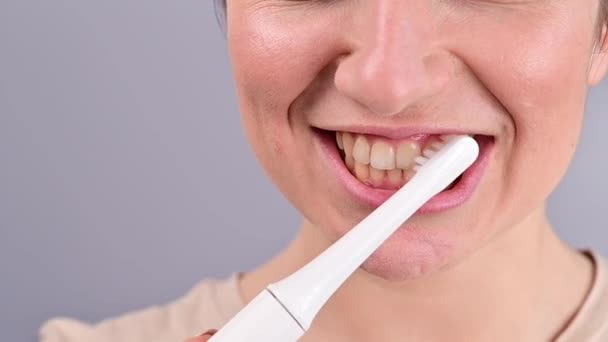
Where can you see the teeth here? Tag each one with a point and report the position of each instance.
(434, 146)
(348, 141)
(448, 137)
(339, 140)
(378, 162)
(361, 150)
(382, 156)
(395, 176)
(408, 175)
(377, 176)
(350, 162)
(406, 152)
(437, 145)
(361, 172)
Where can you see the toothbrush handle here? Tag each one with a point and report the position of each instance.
(263, 319)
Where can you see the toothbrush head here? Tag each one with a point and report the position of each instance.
(465, 142)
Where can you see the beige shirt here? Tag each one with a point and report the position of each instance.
(213, 302)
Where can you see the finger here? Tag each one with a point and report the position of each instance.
(203, 337)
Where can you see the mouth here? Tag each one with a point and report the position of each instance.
(373, 167)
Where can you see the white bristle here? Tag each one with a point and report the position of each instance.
(420, 160)
(428, 153)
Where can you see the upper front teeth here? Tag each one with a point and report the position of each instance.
(406, 153)
(348, 142)
(378, 161)
(379, 154)
(382, 156)
(361, 150)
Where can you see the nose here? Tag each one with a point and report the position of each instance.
(392, 62)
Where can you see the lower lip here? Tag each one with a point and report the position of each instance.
(373, 197)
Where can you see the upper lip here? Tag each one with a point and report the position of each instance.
(396, 132)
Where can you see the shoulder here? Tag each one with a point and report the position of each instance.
(599, 297)
(591, 322)
(209, 304)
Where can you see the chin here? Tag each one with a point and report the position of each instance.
(396, 266)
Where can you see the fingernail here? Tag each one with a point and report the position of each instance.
(209, 332)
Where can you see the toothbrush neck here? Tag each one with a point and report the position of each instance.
(504, 278)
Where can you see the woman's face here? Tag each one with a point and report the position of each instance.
(395, 75)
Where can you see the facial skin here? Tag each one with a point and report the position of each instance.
(515, 70)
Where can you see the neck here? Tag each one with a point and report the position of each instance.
(524, 284)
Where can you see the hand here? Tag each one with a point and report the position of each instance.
(204, 337)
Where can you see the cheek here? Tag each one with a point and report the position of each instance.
(536, 70)
(547, 107)
(274, 58)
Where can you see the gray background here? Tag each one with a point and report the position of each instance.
(124, 174)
